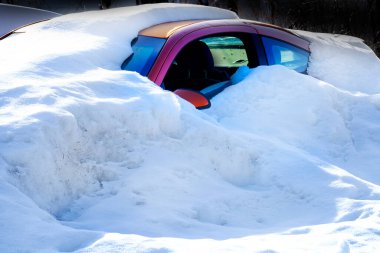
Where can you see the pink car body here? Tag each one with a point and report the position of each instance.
(179, 34)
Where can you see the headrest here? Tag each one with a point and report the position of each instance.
(195, 55)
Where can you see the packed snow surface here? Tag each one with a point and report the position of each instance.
(95, 159)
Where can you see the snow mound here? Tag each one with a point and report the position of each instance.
(344, 61)
(45, 93)
(95, 159)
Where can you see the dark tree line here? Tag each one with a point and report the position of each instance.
(359, 18)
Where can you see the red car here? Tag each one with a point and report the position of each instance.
(196, 58)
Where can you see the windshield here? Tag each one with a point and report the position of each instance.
(145, 51)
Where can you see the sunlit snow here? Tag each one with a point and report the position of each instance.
(96, 159)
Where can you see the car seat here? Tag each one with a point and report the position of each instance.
(194, 68)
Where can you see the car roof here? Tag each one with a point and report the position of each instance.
(166, 30)
(13, 17)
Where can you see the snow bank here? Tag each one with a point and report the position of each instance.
(58, 90)
(95, 159)
(61, 110)
(344, 61)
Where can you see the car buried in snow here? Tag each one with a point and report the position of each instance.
(196, 58)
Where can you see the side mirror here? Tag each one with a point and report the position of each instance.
(194, 97)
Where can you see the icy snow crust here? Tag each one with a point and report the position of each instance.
(94, 159)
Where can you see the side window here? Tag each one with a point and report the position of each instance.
(205, 62)
(282, 53)
(227, 51)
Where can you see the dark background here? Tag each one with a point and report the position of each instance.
(360, 18)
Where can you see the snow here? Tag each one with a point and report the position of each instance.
(353, 62)
(95, 159)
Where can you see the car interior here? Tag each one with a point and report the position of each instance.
(194, 68)
(206, 65)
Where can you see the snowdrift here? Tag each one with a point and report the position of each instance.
(95, 159)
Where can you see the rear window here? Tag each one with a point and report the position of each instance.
(282, 53)
(227, 51)
(145, 51)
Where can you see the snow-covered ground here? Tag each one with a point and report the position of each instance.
(95, 159)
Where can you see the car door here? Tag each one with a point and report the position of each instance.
(178, 41)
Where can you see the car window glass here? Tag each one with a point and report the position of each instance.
(145, 51)
(282, 53)
(227, 51)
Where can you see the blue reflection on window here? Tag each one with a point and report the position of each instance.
(145, 51)
(282, 53)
